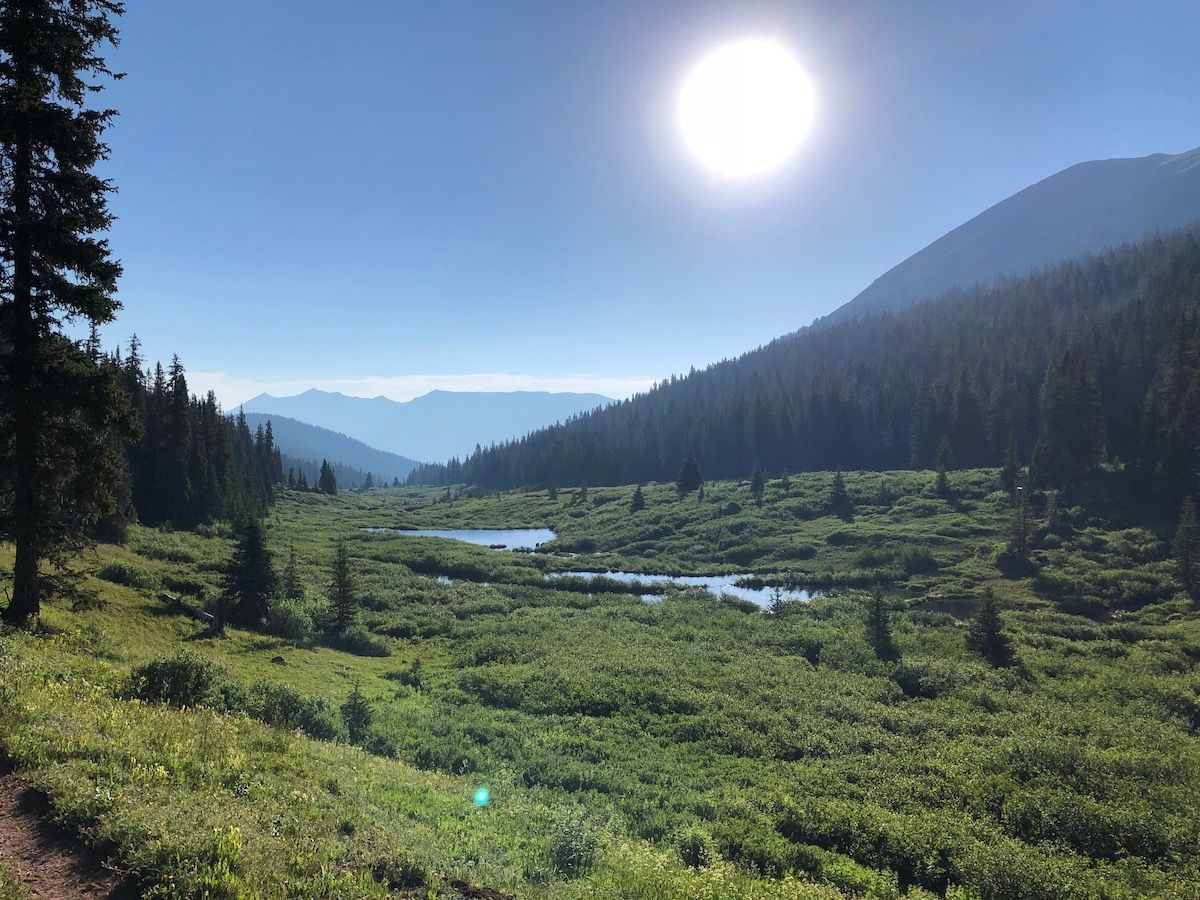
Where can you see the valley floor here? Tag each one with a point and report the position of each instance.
(688, 747)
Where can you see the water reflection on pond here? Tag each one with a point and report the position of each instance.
(744, 586)
(657, 585)
(500, 538)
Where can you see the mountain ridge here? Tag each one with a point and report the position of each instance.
(436, 425)
(1084, 208)
(304, 441)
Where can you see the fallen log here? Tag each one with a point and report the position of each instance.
(194, 611)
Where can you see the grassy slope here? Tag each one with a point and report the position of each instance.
(683, 722)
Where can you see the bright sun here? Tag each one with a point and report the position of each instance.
(745, 108)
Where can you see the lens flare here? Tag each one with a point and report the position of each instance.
(482, 796)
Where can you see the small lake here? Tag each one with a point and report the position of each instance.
(508, 538)
(714, 584)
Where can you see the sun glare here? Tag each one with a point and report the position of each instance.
(745, 108)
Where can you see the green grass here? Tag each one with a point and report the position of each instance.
(775, 748)
(10, 887)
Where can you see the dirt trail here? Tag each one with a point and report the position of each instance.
(50, 863)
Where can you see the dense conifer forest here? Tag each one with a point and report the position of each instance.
(191, 464)
(1091, 359)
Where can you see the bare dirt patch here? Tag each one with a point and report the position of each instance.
(49, 862)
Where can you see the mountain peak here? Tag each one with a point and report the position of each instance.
(1082, 209)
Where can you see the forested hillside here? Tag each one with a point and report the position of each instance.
(303, 442)
(1110, 341)
(191, 463)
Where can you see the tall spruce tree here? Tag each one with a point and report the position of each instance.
(1186, 549)
(342, 604)
(1071, 442)
(758, 484)
(250, 581)
(879, 628)
(945, 461)
(1010, 473)
(689, 478)
(292, 588)
(62, 415)
(1020, 525)
(986, 635)
(326, 482)
(839, 499)
(638, 503)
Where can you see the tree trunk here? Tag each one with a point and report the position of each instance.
(27, 514)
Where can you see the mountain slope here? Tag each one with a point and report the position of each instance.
(437, 425)
(310, 442)
(885, 392)
(1082, 209)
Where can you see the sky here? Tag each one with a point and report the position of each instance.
(385, 197)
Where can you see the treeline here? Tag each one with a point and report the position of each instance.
(191, 463)
(305, 474)
(1090, 357)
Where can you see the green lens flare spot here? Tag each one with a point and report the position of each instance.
(482, 796)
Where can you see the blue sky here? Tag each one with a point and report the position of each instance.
(385, 197)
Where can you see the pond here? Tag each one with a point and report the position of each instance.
(500, 538)
(715, 584)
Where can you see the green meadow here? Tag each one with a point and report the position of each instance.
(692, 746)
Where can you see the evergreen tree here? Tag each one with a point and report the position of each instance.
(62, 415)
(1186, 549)
(1020, 525)
(292, 588)
(839, 499)
(582, 495)
(689, 478)
(758, 483)
(342, 602)
(1054, 523)
(1010, 474)
(879, 629)
(368, 482)
(326, 482)
(552, 493)
(250, 581)
(357, 714)
(1071, 442)
(945, 460)
(986, 634)
(638, 503)
(778, 602)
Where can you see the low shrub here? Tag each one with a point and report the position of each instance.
(695, 847)
(290, 620)
(573, 844)
(185, 679)
(285, 707)
(127, 574)
(917, 561)
(361, 642)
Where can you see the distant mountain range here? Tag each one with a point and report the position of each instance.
(302, 441)
(1080, 210)
(434, 426)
